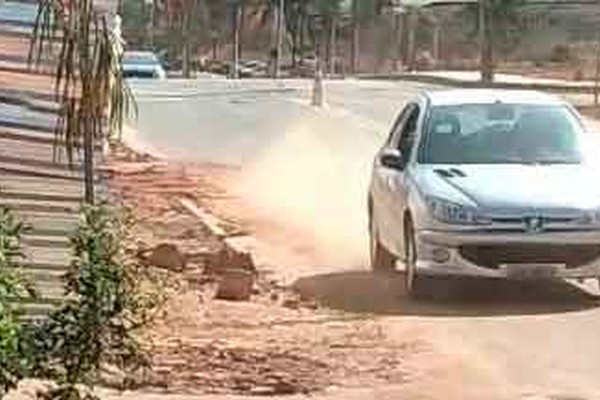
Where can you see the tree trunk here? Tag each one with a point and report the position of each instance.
(397, 41)
(354, 52)
(235, 52)
(437, 39)
(295, 39)
(186, 60)
(302, 33)
(279, 38)
(88, 159)
(485, 43)
(88, 154)
(332, 45)
(597, 73)
(214, 46)
(185, 57)
(241, 28)
(412, 46)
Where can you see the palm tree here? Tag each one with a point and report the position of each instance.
(93, 97)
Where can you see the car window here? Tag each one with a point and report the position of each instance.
(501, 133)
(395, 131)
(408, 130)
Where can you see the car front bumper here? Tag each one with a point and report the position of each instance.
(501, 245)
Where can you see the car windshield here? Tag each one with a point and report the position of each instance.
(501, 134)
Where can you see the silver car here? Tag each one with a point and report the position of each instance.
(486, 183)
(142, 65)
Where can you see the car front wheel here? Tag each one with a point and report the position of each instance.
(381, 259)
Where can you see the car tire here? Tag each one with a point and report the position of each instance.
(381, 259)
(417, 285)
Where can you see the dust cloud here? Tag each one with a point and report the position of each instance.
(313, 179)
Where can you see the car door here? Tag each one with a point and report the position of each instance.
(389, 183)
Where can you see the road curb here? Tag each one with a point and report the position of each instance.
(212, 223)
(239, 245)
(452, 82)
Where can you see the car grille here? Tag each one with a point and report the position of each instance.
(492, 256)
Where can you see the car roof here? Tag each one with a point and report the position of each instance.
(489, 96)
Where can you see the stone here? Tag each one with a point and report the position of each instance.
(291, 303)
(168, 256)
(262, 391)
(228, 258)
(236, 285)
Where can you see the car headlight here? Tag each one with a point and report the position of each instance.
(453, 213)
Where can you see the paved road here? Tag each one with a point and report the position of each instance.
(309, 169)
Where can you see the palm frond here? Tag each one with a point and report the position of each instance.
(94, 99)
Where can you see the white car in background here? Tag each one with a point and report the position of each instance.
(142, 65)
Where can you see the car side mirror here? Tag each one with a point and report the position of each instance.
(392, 158)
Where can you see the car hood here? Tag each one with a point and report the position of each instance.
(513, 187)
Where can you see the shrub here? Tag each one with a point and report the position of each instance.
(97, 324)
(13, 363)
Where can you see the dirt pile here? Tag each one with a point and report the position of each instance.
(275, 343)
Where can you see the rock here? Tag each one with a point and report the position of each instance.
(285, 388)
(262, 391)
(235, 284)
(168, 256)
(292, 303)
(228, 258)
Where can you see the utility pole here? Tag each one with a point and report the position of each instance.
(485, 45)
(279, 39)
